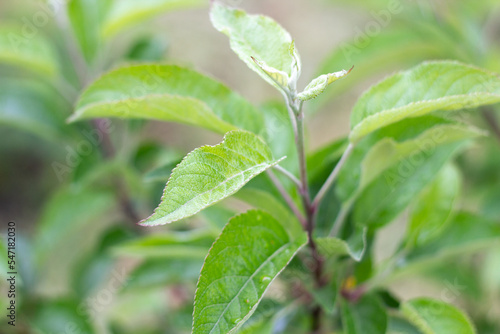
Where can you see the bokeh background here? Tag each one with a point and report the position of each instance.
(68, 225)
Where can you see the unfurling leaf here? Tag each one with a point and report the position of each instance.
(210, 174)
(259, 37)
(249, 254)
(318, 85)
(279, 77)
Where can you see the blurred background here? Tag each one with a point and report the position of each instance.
(75, 212)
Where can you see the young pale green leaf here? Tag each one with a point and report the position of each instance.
(249, 254)
(279, 77)
(367, 315)
(354, 247)
(318, 85)
(383, 199)
(434, 205)
(125, 13)
(429, 87)
(259, 37)
(211, 173)
(174, 245)
(154, 92)
(27, 49)
(436, 317)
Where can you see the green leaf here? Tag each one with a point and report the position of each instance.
(467, 233)
(435, 317)
(399, 325)
(318, 85)
(174, 245)
(251, 251)
(321, 162)
(326, 296)
(31, 107)
(125, 13)
(429, 87)
(154, 92)
(263, 39)
(404, 143)
(434, 205)
(367, 315)
(383, 199)
(27, 49)
(354, 247)
(85, 17)
(277, 120)
(210, 174)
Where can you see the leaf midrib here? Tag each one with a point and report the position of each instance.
(250, 278)
(211, 190)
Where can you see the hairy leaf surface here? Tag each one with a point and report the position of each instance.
(259, 37)
(210, 174)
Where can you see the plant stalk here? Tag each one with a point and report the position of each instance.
(333, 176)
(295, 109)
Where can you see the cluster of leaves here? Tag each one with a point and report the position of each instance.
(400, 154)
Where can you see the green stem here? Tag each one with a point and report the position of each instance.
(288, 175)
(333, 176)
(295, 111)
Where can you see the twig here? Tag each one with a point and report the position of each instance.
(329, 181)
(339, 221)
(288, 175)
(288, 199)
